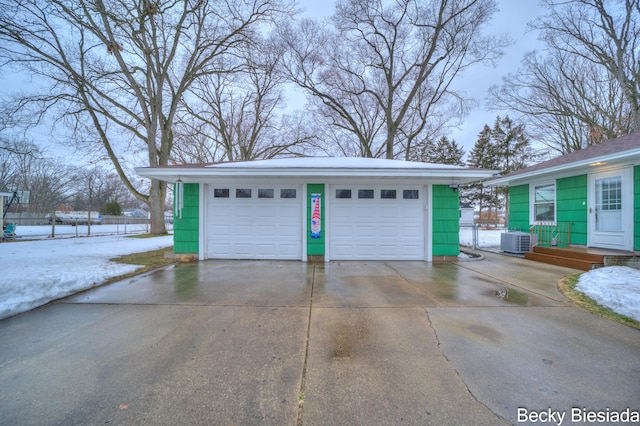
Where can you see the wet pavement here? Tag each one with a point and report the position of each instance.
(289, 343)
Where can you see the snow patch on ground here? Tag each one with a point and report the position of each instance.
(616, 287)
(37, 272)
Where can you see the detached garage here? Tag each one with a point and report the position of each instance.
(317, 208)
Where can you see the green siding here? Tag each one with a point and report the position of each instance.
(571, 206)
(636, 207)
(186, 231)
(315, 246)
(519, 208)
(445, 221)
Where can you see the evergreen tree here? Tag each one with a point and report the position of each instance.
(443, 151)
(484, 156)
(514, 152)
(111, 208)
(512, 145)
(506, 147)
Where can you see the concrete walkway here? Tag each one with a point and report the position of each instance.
(287, 343)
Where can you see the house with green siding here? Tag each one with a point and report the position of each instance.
(317, 208)
(588, 198)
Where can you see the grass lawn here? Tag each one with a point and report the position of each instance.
(567, 287)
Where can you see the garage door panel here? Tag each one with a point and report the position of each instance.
(410, 232)
(342, 251)
(341, 231)
(254, 228)
(288, 251)
(266, 249)
(370, 229)
(365, 213)
(390, 213)
(242, 230)
(243, 249)
(366, 231)
(223, 230)
(218, 249)
(291, 231)
(389, 231)
(411, 251)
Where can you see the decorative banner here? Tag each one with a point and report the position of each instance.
(316, 228)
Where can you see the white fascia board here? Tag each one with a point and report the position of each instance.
(203, 174)
(565, 170)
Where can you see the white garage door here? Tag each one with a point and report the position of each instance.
(254, 222)
(377, 223)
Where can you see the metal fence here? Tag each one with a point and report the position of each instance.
(38, 226)
(481, 236)
(35, 219)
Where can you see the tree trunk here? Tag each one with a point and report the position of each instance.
(157, 194)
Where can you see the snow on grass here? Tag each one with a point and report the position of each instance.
(486, 238)
(37, 272)
(616, 287)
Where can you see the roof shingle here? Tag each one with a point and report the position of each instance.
(613, 146)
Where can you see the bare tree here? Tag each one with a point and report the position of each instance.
(120, 69)
(586, 89)
(605, 33)
(239, 116)
(24, 167)
(382, 71)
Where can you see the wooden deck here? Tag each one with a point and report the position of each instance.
(581, 258)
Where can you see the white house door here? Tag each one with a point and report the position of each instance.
(611, 209)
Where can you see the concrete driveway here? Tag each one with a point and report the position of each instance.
(287, 343)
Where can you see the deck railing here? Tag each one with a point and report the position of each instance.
(558, 234)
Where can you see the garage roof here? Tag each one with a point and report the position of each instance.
(316, 167)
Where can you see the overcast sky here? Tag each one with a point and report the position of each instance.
(512, 19)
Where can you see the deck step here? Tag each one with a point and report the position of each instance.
(567, 262)
(568, 253)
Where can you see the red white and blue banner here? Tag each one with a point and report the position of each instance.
(316, 224)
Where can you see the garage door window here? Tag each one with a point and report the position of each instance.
(410, 194)
(343, 193)
(265, 193)
(221, 193)
(243, 193)
(388, 194)
(365, 193)
(287, 193)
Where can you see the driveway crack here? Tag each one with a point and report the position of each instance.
(303, 381)
(439, 344)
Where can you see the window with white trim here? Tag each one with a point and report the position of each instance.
(543, 203)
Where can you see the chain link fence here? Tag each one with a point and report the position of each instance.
(40, 226)
(481, 236)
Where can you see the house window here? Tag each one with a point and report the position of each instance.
(544, 203)
(265, 193)
(343, 193)
(221, 193)
(610, 191)
(365, 193)
(287, 193)
(243, 193)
